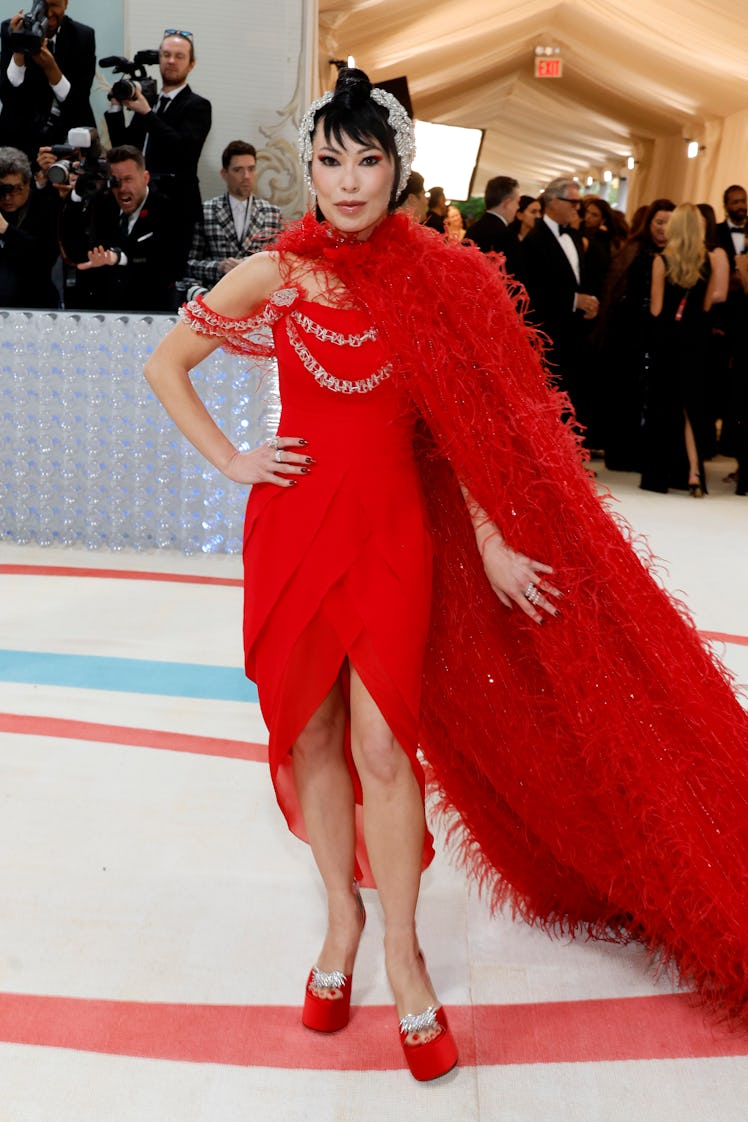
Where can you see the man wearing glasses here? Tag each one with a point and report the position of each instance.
(28, 235)
(554, 273)
(171, 133)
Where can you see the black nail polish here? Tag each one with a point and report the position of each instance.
(303, 442)
(292, 482)
(305, 471)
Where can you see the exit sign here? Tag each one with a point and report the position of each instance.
(549, 68)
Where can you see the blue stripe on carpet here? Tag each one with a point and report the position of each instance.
(127, 675)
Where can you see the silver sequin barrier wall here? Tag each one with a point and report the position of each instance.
(88, 454)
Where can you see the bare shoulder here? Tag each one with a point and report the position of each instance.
(246, 286)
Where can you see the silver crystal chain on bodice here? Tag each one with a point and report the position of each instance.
(313, 328)
(323, 377)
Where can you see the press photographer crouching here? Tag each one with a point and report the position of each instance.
(120, 240)
(28, 236)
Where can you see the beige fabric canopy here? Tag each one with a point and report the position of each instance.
(640, 77)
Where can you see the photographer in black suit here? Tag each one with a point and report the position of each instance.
(45, 91)
(28, 235)
(121, 241)
(172, 133)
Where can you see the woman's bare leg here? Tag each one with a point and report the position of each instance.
(694, 473)
(325, 793)
(394, 826)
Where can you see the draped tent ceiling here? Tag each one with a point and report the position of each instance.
(640, 77)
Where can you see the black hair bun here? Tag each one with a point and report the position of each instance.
(352, 88)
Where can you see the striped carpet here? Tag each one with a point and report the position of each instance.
(158, 920)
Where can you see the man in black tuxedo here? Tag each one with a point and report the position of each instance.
(122, 242)
(732, 235)
(170, 134)
(492, 233)
(46, 94)
(553, 271)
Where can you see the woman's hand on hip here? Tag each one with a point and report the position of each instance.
(275, 461)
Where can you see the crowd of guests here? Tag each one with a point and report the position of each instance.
(644, 325)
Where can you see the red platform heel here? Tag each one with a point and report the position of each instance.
(327, 1000)
(431, 1057)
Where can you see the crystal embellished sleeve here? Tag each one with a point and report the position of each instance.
(248, 335)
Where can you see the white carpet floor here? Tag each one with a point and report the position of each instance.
(157, 920)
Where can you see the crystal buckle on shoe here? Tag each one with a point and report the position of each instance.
(417, 1022)
(330, 980)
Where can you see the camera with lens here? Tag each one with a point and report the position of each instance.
(125, 89)
(82, 155)
(31, 34)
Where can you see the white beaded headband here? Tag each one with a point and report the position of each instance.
(397, 118)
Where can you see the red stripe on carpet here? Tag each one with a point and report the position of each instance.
(140, 738)
(720, 637)
(116, 574)
(640, 1028)
(230, 582)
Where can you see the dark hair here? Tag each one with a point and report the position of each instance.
(236, 148)
(614, 221)
(498, 189)
(436, 197)
(524, 202)
(729, 191)
(710, 221)
(352, 113)
(644, 235)
(126, 152)
(414, 186)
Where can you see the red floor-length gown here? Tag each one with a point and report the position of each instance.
(339, 566)
(592, 772)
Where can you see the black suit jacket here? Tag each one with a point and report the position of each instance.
(492, 235)
(724, 238)
(175, 141)
(732, 314)
(147, 281)
(25, 117)
(552, 285)
(28, 250)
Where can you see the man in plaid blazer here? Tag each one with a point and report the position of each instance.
(234, 225)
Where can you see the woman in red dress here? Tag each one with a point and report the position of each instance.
(593, 768)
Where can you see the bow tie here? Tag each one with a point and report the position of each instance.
(737, 229)
(565, 230)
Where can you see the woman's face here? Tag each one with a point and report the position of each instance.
(354, 182)
(453, 219)
(593, 217)
(658, 228)
(530, 214)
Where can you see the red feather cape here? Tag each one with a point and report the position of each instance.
(594, 771)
